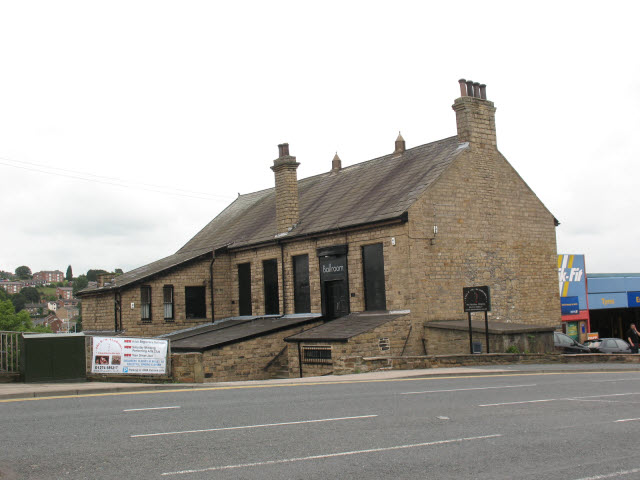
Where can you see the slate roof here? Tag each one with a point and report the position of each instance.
(365, 193)
(234, 331)
(343, 328)
(368, 192)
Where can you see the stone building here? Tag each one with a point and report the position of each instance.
(384, 246)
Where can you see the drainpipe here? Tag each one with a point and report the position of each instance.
(300, 359)
(284, 296)
(115, 311)
(213, 259)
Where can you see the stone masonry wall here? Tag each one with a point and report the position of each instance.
(98, 311)
(441, 341)
(248, 360)
(491, 230)
(392, 334)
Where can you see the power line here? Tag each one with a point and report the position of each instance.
(78, 175)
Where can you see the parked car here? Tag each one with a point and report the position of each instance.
(610, 345)
(565, 344)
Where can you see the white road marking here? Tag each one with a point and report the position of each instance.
(558, 399)
(331, 455)
(628, 420)
(468, 389)
(150, 408)
(443, 418)
(598, 401)
(614, 380)
(612, 475)
(253, 426)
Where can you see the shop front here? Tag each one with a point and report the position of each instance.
(614, 303)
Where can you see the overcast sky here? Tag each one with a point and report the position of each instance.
(125, 126)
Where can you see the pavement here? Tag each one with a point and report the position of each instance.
(18, 390)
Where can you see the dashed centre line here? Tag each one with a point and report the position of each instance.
(612, 475)
(149, 408)
(331, 455)
(559, 399)
(242, 427)
(469, 389)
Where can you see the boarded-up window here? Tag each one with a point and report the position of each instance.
(167, 296)
(301, 291)
(244, 288)
(195, 303)
(145, 303)
(271, 297)
(373, 270)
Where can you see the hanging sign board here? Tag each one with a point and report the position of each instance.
(129, 355)
(476, 299)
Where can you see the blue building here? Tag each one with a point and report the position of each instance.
(613, 302)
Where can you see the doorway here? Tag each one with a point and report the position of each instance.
(336, 301)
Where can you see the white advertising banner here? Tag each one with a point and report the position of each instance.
(129, 355)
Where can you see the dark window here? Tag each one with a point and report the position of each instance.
(167, 299)
(145, 303)
(271, 298)
(373, 270)
(301, 291)
(194, 302)
(244, 288)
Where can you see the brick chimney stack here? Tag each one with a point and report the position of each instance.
(475, 115)
(284, 168)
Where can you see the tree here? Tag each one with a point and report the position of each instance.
(69, 275)
(118, 271)
(18, 300)
(80, 283)
(23, 272)
(92, 275)
(17, 322)
(6, 275)
(31, 294)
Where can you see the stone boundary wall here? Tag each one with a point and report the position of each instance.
(440, 341)
(371, 364)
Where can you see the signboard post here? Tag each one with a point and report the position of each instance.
(477, 299)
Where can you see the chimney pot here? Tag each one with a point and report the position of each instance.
(483, 91)
(476, 89)
(283, 150)
(463, 87)
(470, 88)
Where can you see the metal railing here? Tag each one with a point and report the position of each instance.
(9, 352)
(316, 354)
